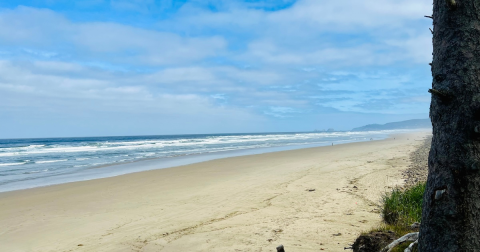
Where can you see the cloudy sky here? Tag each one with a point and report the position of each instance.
(152, 67)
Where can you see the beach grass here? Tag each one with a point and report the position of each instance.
(400, 209)
(403, 207)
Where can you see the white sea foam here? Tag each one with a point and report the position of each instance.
(12, 164)
(8, 154)
(161, 143)
(30, 172)
(224, 140)
(50, 161)
(157, 144)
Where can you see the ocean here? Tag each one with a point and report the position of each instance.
(27, 163)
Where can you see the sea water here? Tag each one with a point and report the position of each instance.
(26, 163)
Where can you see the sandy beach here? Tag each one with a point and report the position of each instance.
(308, 200)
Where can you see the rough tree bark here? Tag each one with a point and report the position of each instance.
(451, 208)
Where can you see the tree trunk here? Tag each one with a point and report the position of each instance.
(451, 208)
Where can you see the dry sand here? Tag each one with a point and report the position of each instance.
(248, 203)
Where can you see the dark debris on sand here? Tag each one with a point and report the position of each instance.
(418, 170)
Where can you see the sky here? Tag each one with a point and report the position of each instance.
(148, 67)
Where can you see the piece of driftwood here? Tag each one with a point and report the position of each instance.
(280, 248)
(405, 238)
(410, 247)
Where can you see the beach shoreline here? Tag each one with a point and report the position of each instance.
(148, 164)
(307, 199)
(34, 163)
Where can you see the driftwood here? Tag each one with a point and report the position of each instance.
(405, 238)
(410, 247)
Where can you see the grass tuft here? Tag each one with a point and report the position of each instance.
(401, 247)
(403, 207)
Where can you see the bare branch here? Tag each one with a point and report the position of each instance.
(440, 94)
(429, 17)
(405, 238)
(410, 247)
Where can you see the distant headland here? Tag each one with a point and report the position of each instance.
(408, 124)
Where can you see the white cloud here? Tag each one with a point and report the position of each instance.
(416, 48)
(342, 33)
(308, 33)
(351, 14)
(29, 27)
(146, 46)
(37, 87)
(234, 63)
(193, 75)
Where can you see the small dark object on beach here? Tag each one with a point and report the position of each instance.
(80, 245)
(310, 190)
(280, 248)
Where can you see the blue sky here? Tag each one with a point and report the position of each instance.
(146, 67)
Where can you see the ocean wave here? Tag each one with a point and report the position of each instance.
(189, 143)
(9, 154)
(31, 172)
(20, 148)
(50, 161)
(198, 143)
(12, 164)
(105, 146)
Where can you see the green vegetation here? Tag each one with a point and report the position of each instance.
(402, 208)
(401, 247)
